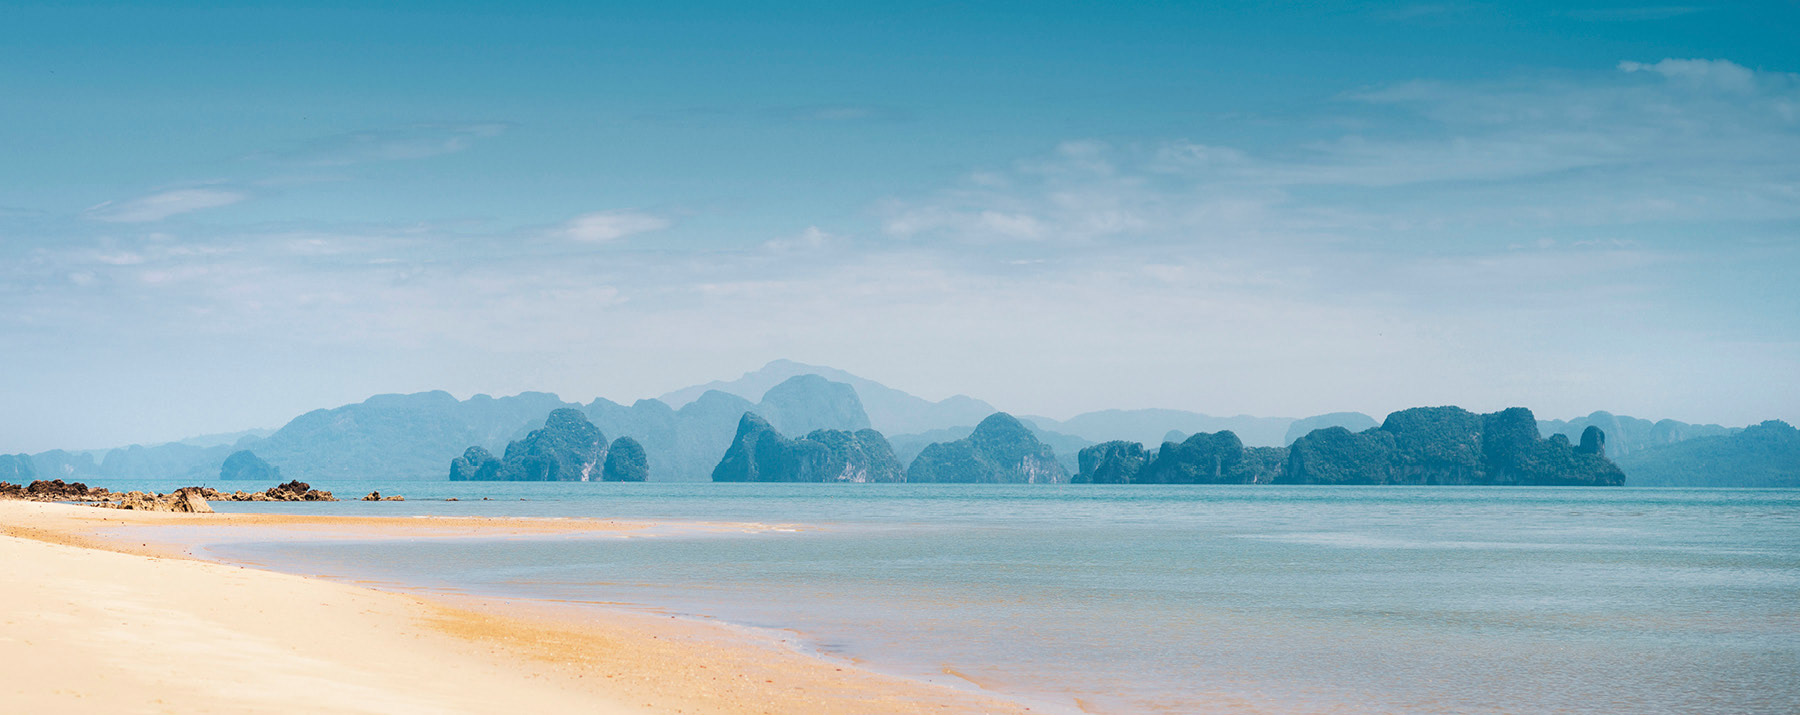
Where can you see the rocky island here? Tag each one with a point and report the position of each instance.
(760, 453)
(1001, 450)
(568, 448)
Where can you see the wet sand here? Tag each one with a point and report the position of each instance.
(101, 612)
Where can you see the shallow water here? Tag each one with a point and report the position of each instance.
(1182, 599)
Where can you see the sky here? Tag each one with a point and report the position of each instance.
(215, 217)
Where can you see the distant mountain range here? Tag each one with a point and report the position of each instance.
(685, 433)
(890, 411)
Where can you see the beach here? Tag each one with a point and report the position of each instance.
(99, 620)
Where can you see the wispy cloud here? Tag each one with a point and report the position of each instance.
(811, 239)
(603, 226)
(159, 206)
(1710, 74)
(413, 141)
(1682, 140)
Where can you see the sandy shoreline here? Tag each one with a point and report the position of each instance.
(95, 619)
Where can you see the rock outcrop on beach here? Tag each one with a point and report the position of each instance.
(186, 499)
(52, 490)
(760, 453)
(625, 462)
(1000, 450)
(1115, 462)
(245, 465)
(1449, 445)
(568, 448)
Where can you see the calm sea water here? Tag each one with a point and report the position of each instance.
(1183, 599)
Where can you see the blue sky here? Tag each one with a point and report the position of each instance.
(215, 217)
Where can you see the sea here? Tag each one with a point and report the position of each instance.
(1168, 599)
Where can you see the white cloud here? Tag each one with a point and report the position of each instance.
(157, 207)
(813, 238)
(1722, 75)
(603, 226)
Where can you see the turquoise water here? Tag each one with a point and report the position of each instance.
(1183, 599)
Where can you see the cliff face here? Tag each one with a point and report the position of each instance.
(1216, 458)
(625, 462)
(17, 468)
(1000, 450)
(759, 453)
(1116, 462)
(475, 465)
(245, 464)
(1449, 445)
(567, 448)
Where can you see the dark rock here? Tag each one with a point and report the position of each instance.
(568, 448)
(760, 453)
(1215, 458)
(1448, 445)
(1116, 462)
(297, 491)
(58, 490)
(1593, 441)
(244, 464)
(1000, 450)
(625, 462)
(475, 465)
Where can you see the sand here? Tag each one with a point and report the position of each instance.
(95, 619)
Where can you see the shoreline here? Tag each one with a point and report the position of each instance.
(74, 569)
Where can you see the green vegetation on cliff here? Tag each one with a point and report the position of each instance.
(760, 453)
(1762, 455)
(1115, 462)
(1450, 445)
(625, 462)
(568, 448)
(1000, 450)
(1216, 458)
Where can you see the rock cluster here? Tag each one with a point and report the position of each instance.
(54, 490)
(376, 496)
(760, 453)
(185, 499)
(1450, 445)
(568, 448)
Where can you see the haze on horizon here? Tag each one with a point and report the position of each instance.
(215, 218)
